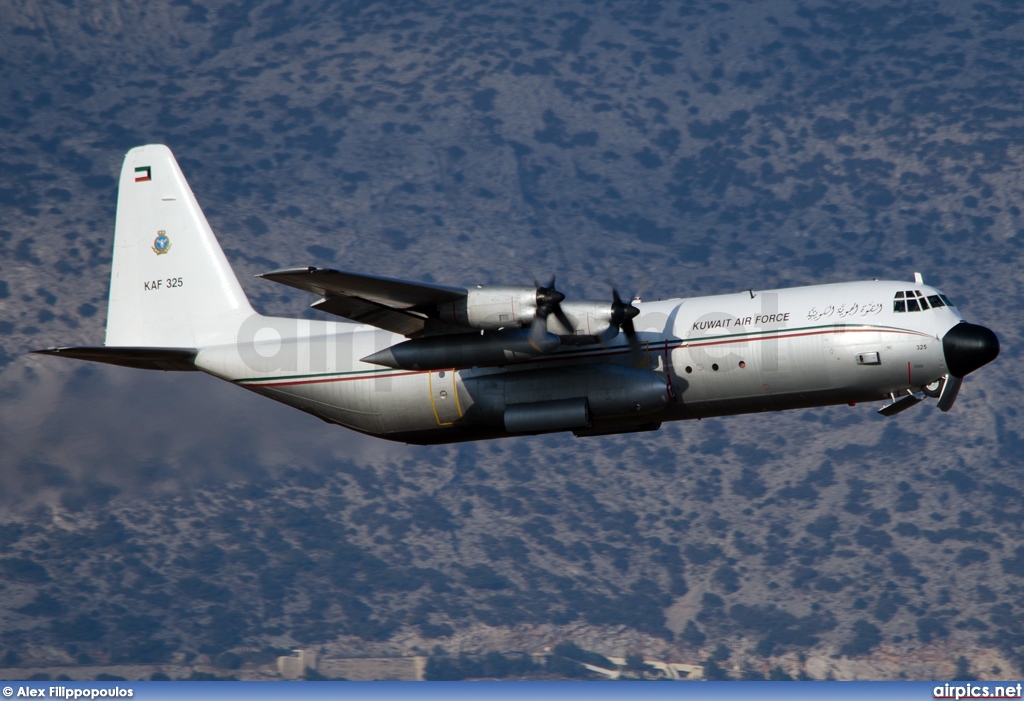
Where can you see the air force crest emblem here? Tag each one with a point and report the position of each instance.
(161, 244)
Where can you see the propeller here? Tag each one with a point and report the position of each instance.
(622, 317)
(950, 388)
(549, 301)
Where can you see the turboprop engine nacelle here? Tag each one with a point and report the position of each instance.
(590, 320)
(464, 350)
(492, 308)
(505, 308)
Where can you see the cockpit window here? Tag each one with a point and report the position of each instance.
(915, 301)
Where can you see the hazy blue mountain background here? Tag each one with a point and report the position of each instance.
(676, 149)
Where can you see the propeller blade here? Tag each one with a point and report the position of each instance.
(950, 388)
(538, 333)
(563, 319)
(634, 345)
(549, 301)
(628, 328)
(622, 312)
(622, 316)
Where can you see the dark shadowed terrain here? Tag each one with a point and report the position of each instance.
(677, 149)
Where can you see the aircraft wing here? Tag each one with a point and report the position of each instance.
(400, 306)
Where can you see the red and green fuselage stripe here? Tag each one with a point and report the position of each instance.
(657, 347)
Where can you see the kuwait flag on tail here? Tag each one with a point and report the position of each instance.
(142, 174)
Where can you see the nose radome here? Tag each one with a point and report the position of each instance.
(967, 347)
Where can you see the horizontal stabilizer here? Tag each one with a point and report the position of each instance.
(143, 358)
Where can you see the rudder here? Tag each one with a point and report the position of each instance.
(170, 284)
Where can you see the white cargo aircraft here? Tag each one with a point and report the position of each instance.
(426, 363)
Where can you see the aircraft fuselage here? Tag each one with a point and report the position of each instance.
(707, 356)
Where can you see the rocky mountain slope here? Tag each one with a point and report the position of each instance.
(677, 149)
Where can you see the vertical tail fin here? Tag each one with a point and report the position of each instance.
(170, 284)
